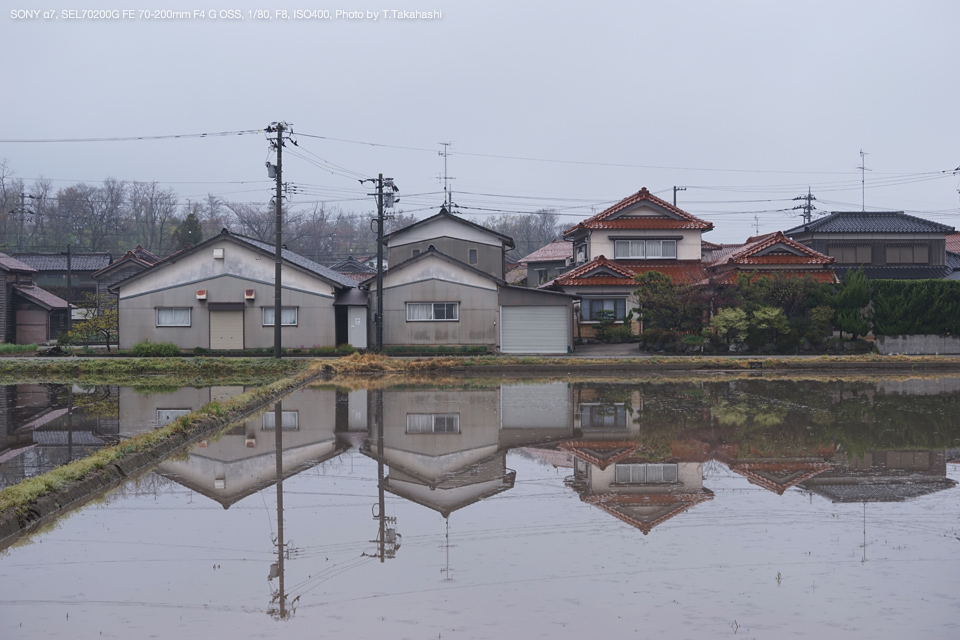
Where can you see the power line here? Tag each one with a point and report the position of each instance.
(175, 136)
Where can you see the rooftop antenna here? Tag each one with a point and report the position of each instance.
(756, 225)
(447, 192)
(863, 182)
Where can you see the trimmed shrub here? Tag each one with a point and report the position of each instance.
(147, 349)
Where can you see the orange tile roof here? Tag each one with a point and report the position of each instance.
(790, 473)
(626, 271)
(747, 252)
(618, 450)
(556, 250)
(953, 242)
(603, 220)
(673, 503)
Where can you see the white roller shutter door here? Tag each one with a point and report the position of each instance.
(534, 329)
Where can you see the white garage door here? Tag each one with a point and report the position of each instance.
(226, 329)
(534, 329)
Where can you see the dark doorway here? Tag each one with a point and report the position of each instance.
(340, 320)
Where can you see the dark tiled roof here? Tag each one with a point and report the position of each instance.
(125, 259)
(893, 491)
(41, 296)
(58, 261)
(300, 261)
(351, 265)
(905, 272)
(145, 255)
(9, 263)
(556, 250)
(953, 260)
(871, 222)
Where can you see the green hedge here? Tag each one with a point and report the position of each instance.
(916, 307)
(147, 349)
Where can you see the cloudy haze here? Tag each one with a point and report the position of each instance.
(560, 105)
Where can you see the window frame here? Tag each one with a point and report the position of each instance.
(594, 410)
(263, 316)
(588, 303)
(283, 416)
(433, 311)
(415, 429)
(157, 311)
(646, 466)
(642, 243)
(473, 256)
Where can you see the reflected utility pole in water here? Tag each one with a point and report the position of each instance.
(388, 540)
(280, 598)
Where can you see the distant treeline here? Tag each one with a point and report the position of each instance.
(115, 216)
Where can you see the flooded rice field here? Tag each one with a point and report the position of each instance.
(740, 508)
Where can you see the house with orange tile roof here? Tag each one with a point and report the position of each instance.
(640, 233)
(771, 254)
(547, 262)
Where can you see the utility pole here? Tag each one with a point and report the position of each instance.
(675, 189)
(21, 211)
(276, 171)
(863, 180)
(278, 427)
(69, 291)
(383, 201)
(808, 208)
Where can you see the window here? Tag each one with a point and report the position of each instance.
(646, 473)
(851, 255)
(645, 249)
(919, 254)
(473, 256)
(433, 311)
(589, 309)
(433, 423)
(288, 316)
(166, 416)
(542, 275)
(599, 416)
(289, 420)
(173, 317)
(416, 252)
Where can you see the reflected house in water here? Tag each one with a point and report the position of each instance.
(442, 446)
(43, 426)
(883, 476)
(242, 460)
(616, 472)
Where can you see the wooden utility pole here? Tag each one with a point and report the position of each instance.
(379, 263)
(675, 189)
(279, 128)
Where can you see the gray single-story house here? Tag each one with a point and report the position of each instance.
(434, 299)
(219, 294)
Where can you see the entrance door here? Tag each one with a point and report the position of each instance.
(226, 329)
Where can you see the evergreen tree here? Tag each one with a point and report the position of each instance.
(188, 233)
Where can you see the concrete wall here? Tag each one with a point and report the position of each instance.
(452, 238)
(602, 241)
(433, 279)
(489, 257)
(919, 345)
(225, 281)
(689, 478)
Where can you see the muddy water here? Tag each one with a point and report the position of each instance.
(744, 508)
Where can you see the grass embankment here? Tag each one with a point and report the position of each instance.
(133, 372)
(371, 363)
(7, 348)
(21, 496)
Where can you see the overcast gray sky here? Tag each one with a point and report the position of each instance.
(564, 105)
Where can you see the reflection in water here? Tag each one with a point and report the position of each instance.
(688, 458)
(43, 426)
